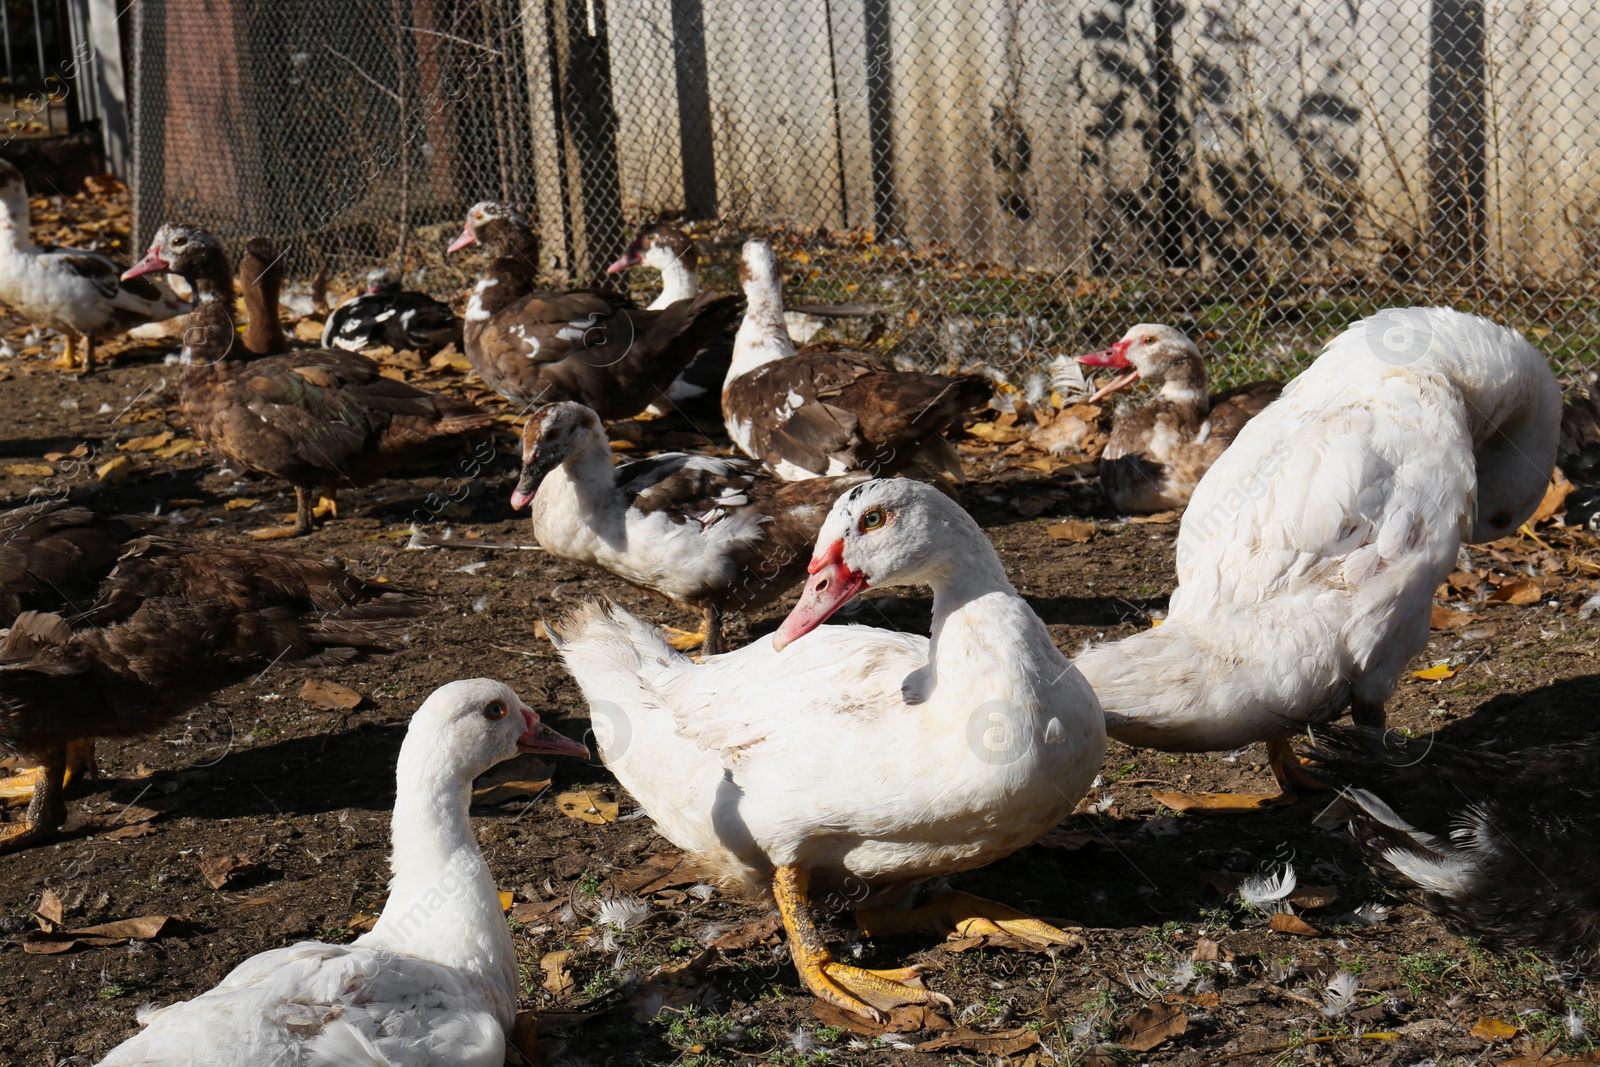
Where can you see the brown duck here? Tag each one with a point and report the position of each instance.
(318, 419)
(538, 346)
(171, 623)
(827, 409)
(1159, 452)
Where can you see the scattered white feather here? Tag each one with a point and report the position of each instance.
(1370, 914)
(1067, 379)
(1589, 607)
(1183, 975)
(701, 891)
(473, 568)
(1267, 892)
(802, 1040)
(622, 912)
(1339, 996)
(1577, 1027)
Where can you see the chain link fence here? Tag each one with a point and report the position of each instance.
(1005, 180)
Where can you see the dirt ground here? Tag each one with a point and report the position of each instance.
(1175, 970)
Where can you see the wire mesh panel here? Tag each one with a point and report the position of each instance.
(1004, 180)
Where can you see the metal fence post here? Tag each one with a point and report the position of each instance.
(1457, 142)
(694, 109)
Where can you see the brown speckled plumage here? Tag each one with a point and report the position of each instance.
(171, 624)
(599, 349)
(317, 419)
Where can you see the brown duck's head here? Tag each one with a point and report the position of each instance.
(494, 224)
(1149, 351)
(658, 246)
(190, 252)
(552, 435)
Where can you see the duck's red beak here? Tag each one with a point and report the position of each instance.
(1115, 357)
(537, 737)
(830, 587)
(152, 263)
(467, 238)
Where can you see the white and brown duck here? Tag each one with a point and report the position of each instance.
(538, 346)
(1159, 451)
(826, 409)
(317, 419)
(697, 390)
(73, 291)
(713, 534)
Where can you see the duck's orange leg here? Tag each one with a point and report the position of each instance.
(46, 811)
(304, 519)
(870, 994)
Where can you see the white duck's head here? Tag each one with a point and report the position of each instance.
(1152, 352)
(466, 727)
(552, 435)
(890, 531)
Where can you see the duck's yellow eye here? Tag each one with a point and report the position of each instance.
(873, 519)
(495, 709)
(1149, 339)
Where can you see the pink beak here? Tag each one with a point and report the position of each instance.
(519, 499)
(1115, 357)
(152, 263)
(538, 737)
(628, 260)
(830, 587)
(467, 238)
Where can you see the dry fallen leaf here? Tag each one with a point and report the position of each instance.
(1487, 1029)
(1151, 1026)
(906, 1019)
(49, 910)
(749, 935)
(1437, 673)
(1313, 896)
(999, 1043)
(1444, 618)
(220, 871)
(1209, 951)
(1285, 923)
(1522, 592)
(1555, 499)
(664, 870)
(329, 696)
(239, 502)
(590, 806)
(1076, 531)
(1159, 518)
(116, 471)
(447, 358)
(524, 777)
(144, 928)
(308, 330)
(146, 443)
(557, 979)
(30, 470)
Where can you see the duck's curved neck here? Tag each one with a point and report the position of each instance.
(678, 282)
(975, 611)
(209, 334)
(443, 905)
(14, 234)
(594, 483)
(1185, 385)
(762, 336)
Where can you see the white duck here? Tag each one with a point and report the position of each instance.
(714, 534)
(435, 981)
(858, 758)
(75, 292)
(1310, 551)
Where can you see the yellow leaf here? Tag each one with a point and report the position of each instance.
(1437, 673)
(146, 443)
(588, 806)
(557, 979)
(179, 447)
(1487, 1029)
(505, 899)
(117, 470)
(1156, 622)
(239, 502)
(30, 470)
